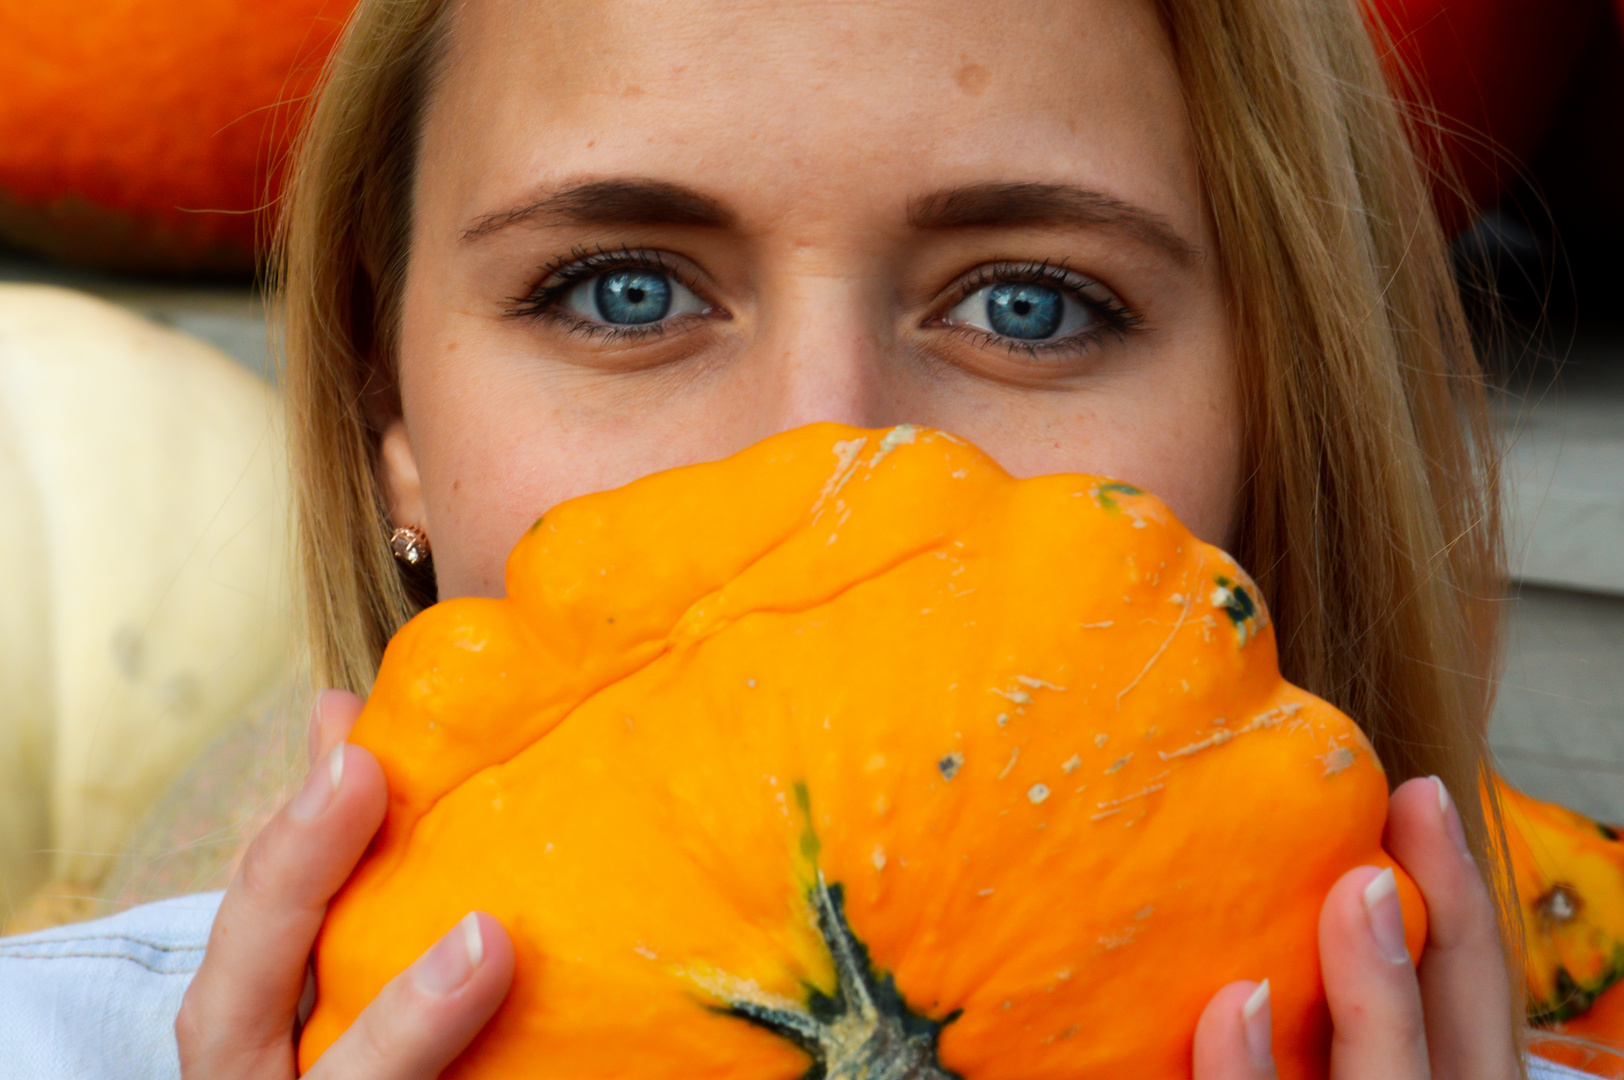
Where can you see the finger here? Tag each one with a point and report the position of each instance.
(1234, 1038)
(428, 1013)
(1377, 1029)
(239, 1010)
(330, 721)
(1465, 989)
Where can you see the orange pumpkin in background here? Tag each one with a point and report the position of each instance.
(852, 752)
(1569, 872)
(1592, 1042)
(145, 136)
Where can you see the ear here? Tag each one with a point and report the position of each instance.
(397, 473)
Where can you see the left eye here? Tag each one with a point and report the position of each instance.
(1024, 310)
(631, 297)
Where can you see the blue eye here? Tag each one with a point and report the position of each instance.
(631, 297)
(1024, 311)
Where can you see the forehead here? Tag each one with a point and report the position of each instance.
(802, 98)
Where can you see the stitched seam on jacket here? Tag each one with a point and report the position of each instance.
(103, 956)
(77, 938)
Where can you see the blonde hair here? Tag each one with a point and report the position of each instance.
(1368, 512)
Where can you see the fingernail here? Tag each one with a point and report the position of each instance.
(1452, 825)
(1258, 1021)
(451, 961)
(319, 787)
(1386, 917)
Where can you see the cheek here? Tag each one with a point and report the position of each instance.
(480, 501)
(1195, 469)
(481, 449)
(1184, 446)
(1189, 427)
(1173, 428)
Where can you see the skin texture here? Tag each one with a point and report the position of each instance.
(823, 291)
(815, 136)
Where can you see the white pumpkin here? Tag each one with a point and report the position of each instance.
(143, 517)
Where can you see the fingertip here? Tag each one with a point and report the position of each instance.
(331, 718)
(1234, 1037)
(430, 1012)
(1346, 945)
(1370, 984)
(452, 962)
(1422, 811)
(494, 937)
(1385, 915)
(1345, 918)
(1257, 1022)
(1426, 837)
(497, 947)
(482, 953)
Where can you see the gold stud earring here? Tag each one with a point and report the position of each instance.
(409, 544)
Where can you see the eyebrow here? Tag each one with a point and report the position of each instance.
(639, 201)
(610, 202)
(1005, 205)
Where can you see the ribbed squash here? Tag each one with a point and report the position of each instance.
(852, 756)
(145, 602)
(1569, 872)
(1570, 881)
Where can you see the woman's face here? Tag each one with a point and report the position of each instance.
(649, 233)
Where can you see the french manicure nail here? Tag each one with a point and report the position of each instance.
(1257, 1021)
(1452, 825)
(319, 787)
(1386, 917)
(452, 960)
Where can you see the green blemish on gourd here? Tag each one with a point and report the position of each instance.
(1238, 604)
(1103, 495)
(811, 846)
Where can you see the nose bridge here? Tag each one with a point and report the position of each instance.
(822, 350)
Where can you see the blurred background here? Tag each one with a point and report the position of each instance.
(149, 698)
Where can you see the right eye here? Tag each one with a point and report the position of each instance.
(630, 296)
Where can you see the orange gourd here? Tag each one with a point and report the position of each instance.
(1569, 872)
(850, 751)
(142, 136)
(1593, 1041)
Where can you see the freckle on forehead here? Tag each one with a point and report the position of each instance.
(972, 78)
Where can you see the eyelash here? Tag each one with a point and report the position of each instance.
(582, 264)
(1116, 318)
(561, 275)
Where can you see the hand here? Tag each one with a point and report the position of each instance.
(1449, 1019)
(238, 1017)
